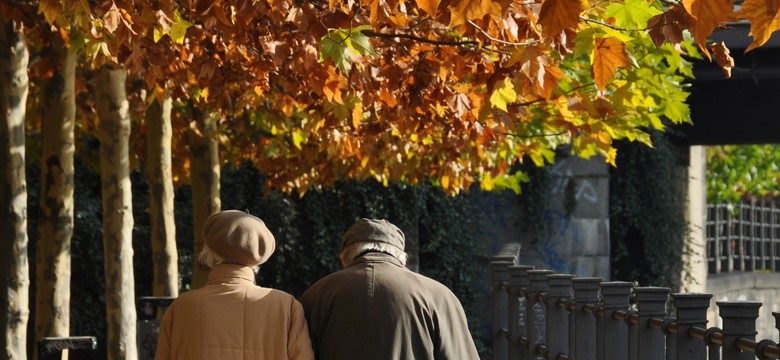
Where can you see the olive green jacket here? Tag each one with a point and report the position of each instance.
(378, 309)
(232, 318)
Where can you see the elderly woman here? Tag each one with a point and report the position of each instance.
(231, 317)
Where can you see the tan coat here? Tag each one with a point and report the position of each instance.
(232, 318)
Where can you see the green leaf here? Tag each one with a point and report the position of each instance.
(632, 14)
(341, 44)
(503, 94)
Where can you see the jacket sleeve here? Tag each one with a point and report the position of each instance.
(454, 339)
(163, 351)
(299, 343)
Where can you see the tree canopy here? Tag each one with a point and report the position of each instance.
(458, 91)
(738, 171)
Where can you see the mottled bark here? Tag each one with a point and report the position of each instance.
(14, 267)
(204, 180)
(159, 173)
(114, 130)
(55, 224)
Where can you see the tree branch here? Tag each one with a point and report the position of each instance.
(372, 33)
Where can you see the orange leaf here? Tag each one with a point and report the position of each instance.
(709, 15)
(609, 55)
(462, 11)
(429, 6)
(722, 57)
(556, 16)
(762, 15)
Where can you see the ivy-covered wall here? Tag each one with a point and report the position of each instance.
(648, 230)
(307, 230)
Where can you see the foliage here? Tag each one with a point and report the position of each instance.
(736, 171)
(648, 231)
(307, 230)
(453, 91)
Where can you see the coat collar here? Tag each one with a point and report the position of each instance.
(373, 257)
(231, 274)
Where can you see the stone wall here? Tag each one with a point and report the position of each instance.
(763, 287)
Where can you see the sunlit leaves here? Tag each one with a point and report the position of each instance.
(632, 14)
(708, 15)
(763, 17)
(341, 45)
(503, 94)
(609, 54)
(456, 91)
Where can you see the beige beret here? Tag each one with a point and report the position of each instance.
(374, 230)
(239, 237)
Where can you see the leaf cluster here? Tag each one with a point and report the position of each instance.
(451, 91)
(738, 171)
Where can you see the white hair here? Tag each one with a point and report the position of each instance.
(209, 258)
(352, 252)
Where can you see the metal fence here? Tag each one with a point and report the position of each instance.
(538, 314)
(743, 236)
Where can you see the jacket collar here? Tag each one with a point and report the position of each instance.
(374, 257)
(231, 274)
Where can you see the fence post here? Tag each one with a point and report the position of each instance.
(518, 310)
(651, 303)
(691, 312)
(586, 301)
(739, 321)
(558, 315)
(537, 314)
(616, 298)
(506, 256)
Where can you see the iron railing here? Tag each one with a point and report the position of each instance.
(743, 236)
(542, 315)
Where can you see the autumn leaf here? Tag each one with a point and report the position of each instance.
(556, 16)
(708, 15)
(669, 26)
(462, 11)
(723, 57)
(503, 94)
(111, 18)
(763, 17)
(50, 9)
(429, 6)
(608, 55)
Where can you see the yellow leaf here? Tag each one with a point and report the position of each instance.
(608, 55)
(445, 181)
(611, 156)
(503, 94)
(762, 15)
(259, 90)
(178, 28)
(357, 115)
(364, 161)
(297, 138)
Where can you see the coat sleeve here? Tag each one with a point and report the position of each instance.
(163, 351)
(299, 343)
(454, 339)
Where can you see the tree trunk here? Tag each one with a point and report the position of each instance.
(55, 224)
(114, 130)
(204, 180)
(159, 170)
(14, 269)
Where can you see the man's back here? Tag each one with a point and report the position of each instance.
(378, 309)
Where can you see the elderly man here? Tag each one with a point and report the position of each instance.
(231, 317)
(377, 309)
